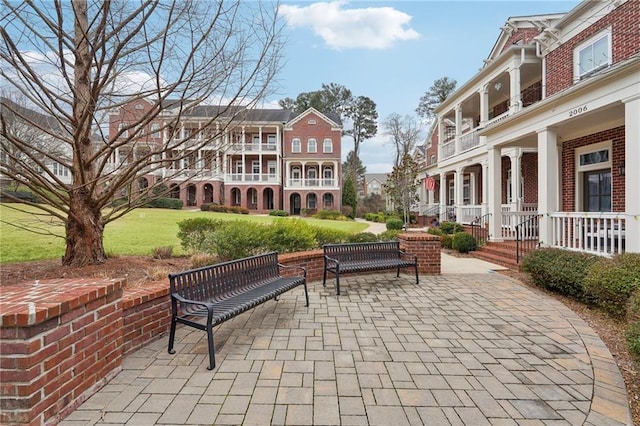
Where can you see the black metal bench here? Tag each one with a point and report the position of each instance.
(221, 291)
(361, 257)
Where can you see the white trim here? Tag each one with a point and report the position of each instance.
(579, 170)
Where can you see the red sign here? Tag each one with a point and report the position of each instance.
(430, 183)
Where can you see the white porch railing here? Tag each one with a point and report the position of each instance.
(252, 178)
(512, 218)
(469, 213)
(597, 233)
(318, 182)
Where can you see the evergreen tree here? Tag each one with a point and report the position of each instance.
(349, 196)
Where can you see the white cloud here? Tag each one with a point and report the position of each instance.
(341, 28)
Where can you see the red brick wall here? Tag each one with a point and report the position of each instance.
(57, 345)
(529, 164)
(616, 135)
(524, 34)
(625, 43)
(321, 130)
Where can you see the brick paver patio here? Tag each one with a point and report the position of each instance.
(472, 349)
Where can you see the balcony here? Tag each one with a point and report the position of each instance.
(601, 233)
(271, 148)
(263, 178)
(313, 183)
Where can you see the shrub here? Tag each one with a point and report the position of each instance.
(380, 218)
(451, 227)
(610, 283)
(463, 242)
(205, 207)
(164, 252)
(362, 237)
(165, 203)
(237, 239)
(329, 236)
(633, 306)
(193, 233)
(558, 270)
(290, 235)
(281, 213)
(389, 235)
(239, 210)
(633, 339)
(394, 223)
(329, 215)
(199, 260)
(218, 208)
(446, 241)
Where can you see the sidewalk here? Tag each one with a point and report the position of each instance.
(473, 348)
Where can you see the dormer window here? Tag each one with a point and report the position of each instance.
(139, 106)
(311, 121)
(592, 55)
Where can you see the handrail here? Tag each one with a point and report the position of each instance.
(527, 236)
(479, 229)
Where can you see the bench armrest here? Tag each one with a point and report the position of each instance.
(189, 302)
(328, 259)
(410, 255)
(302, 268)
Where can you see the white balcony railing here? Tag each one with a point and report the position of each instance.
(448, 149)
(251, 178)
(597, 233)
(469, 140)
(300, 183)
(254, 147)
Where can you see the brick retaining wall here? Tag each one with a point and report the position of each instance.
(62, 340)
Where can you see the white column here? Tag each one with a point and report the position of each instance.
(548, 182)
(632, 174)
(458, 110)
(514, 95)
(485, 184)
(516, 179)
(484, 105)
(494, 193)
(440, 136)
(458, 190)
(473, 198)
(443, 196)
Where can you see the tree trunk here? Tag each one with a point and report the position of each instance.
(84, 234)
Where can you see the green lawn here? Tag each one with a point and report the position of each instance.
(138, 233)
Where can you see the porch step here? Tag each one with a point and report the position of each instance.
(500, 253)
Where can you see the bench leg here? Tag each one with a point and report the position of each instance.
(398, 273)
(324, 277)
(306, 293)
(338, 281)
(212, 353)
(172, 334)
(417, 279)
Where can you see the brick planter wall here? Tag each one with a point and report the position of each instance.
(62, 340)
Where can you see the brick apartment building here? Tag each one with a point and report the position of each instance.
(547, 133)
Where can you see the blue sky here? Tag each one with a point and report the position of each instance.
(392, 51)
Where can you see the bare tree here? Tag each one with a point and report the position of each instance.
(77, 62)
(405, 132)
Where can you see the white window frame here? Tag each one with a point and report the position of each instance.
(579, 170)
(312, 145)
(579, 71)
(239, 167)
(155, 130)
(327, 146)
(255, 167)
(271, 142)
(312, 201)
(254, 196)
(296, 145)
(125, 133)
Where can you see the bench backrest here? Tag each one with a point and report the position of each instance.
(363, 251)
(219, 281)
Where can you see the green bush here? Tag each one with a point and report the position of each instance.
(193, 233)
(610, 283)
(205, 207)
(239, 210)
(362, 237)
(281, 213)
(290, 235)
(559, 270)
(237, 239)
(330, 236)
(446, 241)
(463, 242)
(329, 215)
(451, 227)
(165, 203)
(389, 235)
(380, 218)
(370, 216)
(394, 223)
(218, 208)
(633, 339)
(633, 306)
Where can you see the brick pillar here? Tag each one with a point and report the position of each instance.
(426, 247)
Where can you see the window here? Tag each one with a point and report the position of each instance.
(312, 145)
(254, 196)
(593, 55)
(593, 177)
(121, 127)
(295, 175)
(312, 175)
(311, 201)
(271, 142)
(311, 121)
(327, 175)
(60, 170)
(239, 167)
(327, 146)
(466, 191)
(139, 106)
(295, 145)
(255, 169)
(327, 201)
(451, 193)
(155, 130)
(271, 169)
(432, 159)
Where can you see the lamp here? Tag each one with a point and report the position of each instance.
(621, 169)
